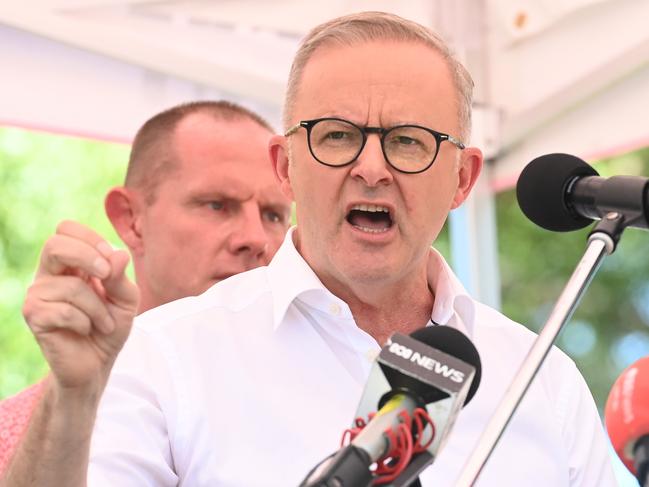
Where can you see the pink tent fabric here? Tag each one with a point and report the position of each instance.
(15, 412)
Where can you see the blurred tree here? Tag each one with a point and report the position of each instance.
(43, 180)
(610, 328)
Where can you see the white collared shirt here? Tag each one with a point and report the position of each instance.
(253, 383)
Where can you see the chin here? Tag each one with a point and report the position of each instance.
(369, 273)
(198, 290)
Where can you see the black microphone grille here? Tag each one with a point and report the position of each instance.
(541, 191)
(455, 343)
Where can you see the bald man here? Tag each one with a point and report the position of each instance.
(200, 203)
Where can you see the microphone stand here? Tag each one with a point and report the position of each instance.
(601, 242)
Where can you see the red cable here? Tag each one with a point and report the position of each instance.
(422, 419)
(402, 455)
(403, 442)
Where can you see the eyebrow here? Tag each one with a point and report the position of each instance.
(267, 198)
(276, 205)
(226, 188)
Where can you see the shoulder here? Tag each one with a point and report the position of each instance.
(228, 312)
(15, 413)
(227, 297)
(169, 343)
(504, 344)
(558, 392)
(495, 330)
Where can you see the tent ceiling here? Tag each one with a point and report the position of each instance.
(551, 75)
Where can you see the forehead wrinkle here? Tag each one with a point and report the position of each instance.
(386, 96)
(346, 106)
(362, 109)
(384, 110)
(271, 194)
(226, 187)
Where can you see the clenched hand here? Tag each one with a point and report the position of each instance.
(81, 306)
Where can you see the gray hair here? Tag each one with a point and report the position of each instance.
(373, 26)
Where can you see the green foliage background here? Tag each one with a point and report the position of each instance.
(610, 328)
(46, 178)
(43, 180)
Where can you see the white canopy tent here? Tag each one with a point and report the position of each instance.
(551, 76)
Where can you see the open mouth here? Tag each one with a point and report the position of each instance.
(370, 218)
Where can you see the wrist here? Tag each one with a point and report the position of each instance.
(71, 406)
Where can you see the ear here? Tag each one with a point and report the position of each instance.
(123, 208)
(278, 151)
(469, 169)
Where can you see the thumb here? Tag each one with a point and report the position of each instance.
(119, 289)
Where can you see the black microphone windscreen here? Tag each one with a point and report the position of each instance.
(455, 343)
(541, 191)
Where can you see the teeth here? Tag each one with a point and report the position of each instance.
(372, 208)
(372, 230)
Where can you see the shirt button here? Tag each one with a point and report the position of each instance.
(334, 308)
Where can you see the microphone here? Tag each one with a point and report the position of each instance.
(627, 418)
(427, 376)
(560, 192)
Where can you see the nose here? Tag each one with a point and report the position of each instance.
(371, 166)
(249, 238)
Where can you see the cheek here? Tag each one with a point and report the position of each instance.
(165, 249)
(275, 243)
(275, 234)
(440, 189)
(428, 204)
(177, 237)
(308, 191)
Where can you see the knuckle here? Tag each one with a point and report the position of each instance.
(31, 305)
(28, 309)
(49, 246)
(51, 250)
(66, 313)
(34, 319)
(76, 286)
(64, 226)
(73, 287)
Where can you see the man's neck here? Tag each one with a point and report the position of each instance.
(381, 312)
(405, 317)
(145, 304)
(148, 300)
(383, 305)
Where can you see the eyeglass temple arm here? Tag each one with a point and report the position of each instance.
(456, 142)
(293, 129)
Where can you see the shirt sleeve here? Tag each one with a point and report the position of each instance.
(15, 413)
(589, 457)
(131, 441)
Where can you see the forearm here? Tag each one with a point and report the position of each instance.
(56, 447)
(80, 308)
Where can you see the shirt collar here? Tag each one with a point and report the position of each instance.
(291, 277)
(453, 306)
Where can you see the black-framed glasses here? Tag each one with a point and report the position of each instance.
(407, 148)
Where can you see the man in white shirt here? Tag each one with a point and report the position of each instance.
(199, 203)
(253, 382)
